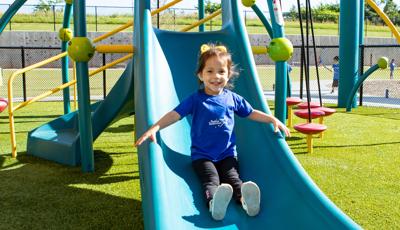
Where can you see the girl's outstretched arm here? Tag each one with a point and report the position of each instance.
(259, 116)
(168, 119)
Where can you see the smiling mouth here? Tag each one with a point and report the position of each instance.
(216, 83)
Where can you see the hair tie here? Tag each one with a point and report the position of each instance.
(205, 48)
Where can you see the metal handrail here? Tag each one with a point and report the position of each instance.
(11, 109)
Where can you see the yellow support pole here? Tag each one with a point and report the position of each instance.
(115, 48)
(321, 121)
(290, 116)
(209, 17)
(309, 143)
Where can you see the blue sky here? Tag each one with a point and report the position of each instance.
(191, 3)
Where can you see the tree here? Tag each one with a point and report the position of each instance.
(211, 7)
(45, 5)
(391, 10)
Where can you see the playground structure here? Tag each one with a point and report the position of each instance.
(169, 189)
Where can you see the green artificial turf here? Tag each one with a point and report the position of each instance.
(355, 165)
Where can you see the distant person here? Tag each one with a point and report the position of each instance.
(392, 65)
(335, 70)
(213, 151)
(289, 68)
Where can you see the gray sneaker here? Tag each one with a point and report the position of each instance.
(250, 198)
(220, 201)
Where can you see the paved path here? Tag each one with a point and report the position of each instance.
(327, 97)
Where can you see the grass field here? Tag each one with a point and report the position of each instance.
(176, 21)
(355, 165)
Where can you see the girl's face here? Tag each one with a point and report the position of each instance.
(215, 75)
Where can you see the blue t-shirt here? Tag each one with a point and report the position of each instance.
(392, 65)
(335, 68)
(212, 123)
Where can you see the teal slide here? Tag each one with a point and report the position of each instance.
(172, 198)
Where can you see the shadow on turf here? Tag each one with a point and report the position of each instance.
(120, 129)
(42, 193)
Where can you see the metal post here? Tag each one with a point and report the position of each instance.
(158, 15)
(104, 77)
(361, 37)
(54, 17)
(82, 72)
(361, 73)
(95, 17)
(245, 17)
(174, 19)
(349, 45)
(10, 19)
(23, 75)
(65, 61)
(201, 14)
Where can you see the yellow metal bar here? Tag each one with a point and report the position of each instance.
(386, 19)
(112, 32)
(209, 17)
(65, 85)
(164, 7)
(111, 64)
(115, 48)
(259, 49)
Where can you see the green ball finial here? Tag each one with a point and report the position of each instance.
(65, 34)
(80, 49)
(69, 1)
(280, 49)
(248, 3)
(383, 62)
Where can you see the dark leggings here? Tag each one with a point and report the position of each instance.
(212, 174)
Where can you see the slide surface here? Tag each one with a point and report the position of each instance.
(172, 198)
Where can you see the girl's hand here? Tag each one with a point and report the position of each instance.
(168, 119)
(151, 133)
(278, 125)
(259, 116)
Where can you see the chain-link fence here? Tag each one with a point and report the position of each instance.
(40, 80)
(380, 89)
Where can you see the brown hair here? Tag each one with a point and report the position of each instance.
(220, 52)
